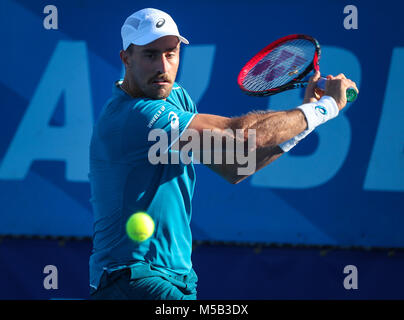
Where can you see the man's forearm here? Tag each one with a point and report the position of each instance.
(272, 128)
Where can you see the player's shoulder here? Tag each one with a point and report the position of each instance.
(181, 97)
(141, 104)
(180, 91)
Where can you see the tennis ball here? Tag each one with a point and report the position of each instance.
(140, 226)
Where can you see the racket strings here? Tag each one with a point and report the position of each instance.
(281, 65)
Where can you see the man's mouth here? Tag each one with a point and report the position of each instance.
(161, 81)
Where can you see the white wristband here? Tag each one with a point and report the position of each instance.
(317, 113)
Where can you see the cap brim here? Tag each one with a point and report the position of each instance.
(183, 39)
(142, 41)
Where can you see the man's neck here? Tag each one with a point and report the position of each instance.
(126, 87)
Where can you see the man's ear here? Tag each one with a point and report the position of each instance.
(124, 58)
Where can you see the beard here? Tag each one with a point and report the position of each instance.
(159, 92)
(154, 90)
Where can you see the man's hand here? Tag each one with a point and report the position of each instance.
(312, 93)
(336, 87)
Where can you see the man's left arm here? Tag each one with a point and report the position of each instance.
(263, 158)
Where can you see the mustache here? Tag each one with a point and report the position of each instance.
(162, 77)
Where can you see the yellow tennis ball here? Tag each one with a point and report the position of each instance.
(140, 226)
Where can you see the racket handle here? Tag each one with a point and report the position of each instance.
(351, 93)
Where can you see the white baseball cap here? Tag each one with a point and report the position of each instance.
(147, 25)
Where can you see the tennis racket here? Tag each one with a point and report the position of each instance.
(283, 65)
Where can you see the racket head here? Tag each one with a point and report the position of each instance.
(280, 66)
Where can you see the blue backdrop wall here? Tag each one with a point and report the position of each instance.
(342, 186)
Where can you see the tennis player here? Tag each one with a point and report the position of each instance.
(123, 180)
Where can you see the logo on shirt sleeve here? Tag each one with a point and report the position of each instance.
(155, 117)
(173, 118)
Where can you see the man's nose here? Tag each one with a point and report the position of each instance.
(162, 64)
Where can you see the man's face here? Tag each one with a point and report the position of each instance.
(153, 67)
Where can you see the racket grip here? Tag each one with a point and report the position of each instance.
(351, 93)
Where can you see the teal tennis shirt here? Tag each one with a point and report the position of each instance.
(123, 181)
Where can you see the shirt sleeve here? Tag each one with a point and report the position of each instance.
(189, 102)
(159, 115)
